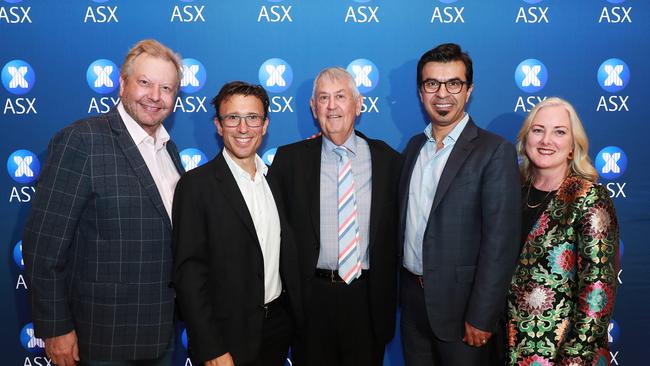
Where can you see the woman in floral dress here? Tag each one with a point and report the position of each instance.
(562, 293)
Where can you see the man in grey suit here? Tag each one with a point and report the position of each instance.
(97, 243)
(459, 222)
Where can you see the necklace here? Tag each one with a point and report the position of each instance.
(540, 202)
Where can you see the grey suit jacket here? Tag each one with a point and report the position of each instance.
(471, 241)
(97, 244)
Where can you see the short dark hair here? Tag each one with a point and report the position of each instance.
(447, 52)
(240, 88)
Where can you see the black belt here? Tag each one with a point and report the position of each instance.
(273, 306)
(413, 277)
(333, 275)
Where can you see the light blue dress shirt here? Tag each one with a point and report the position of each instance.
(329, 227)
(422, 189)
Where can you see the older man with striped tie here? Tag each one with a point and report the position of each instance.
(339, 190)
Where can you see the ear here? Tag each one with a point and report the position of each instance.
(469, 92)
(265, 125)
(358, 105)
(312, 105)
(218, 125)
(122, 82)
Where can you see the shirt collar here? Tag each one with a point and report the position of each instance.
(138, 134)
(455, 132)
(350, 144)
(260, 167)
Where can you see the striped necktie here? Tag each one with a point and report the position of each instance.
(349, 261)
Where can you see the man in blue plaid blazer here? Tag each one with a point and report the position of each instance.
(97, 244)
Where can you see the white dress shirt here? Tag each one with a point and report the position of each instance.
(155, 155)
(264, 212)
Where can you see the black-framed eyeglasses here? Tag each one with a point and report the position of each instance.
(233, 120)
(453, 86)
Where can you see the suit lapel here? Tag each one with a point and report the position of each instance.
(232, 193)
(461, 150)
(312, 174)
(172, 150)
(137, 163)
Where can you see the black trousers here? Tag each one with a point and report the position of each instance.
(339, 328)
(421, 346)
(276, 335)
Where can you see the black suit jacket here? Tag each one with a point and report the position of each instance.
(296, 173)
(97, 244)
(219, 268)
(471, 241)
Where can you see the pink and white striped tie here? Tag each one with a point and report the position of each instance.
(349, 259)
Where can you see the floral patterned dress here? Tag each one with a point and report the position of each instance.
(562, 293)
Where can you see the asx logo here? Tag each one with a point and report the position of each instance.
(103, 76)
(611, 162)
(15, 14)
(268, 156)
(365, 74)
(613, 75)
(275, 75)
(18, 77)
(187, 13)
(532, 14)
(616, 14)
(194, 75)
(275, 13)
(362, 13)
(448, 14)
(29, 340)
(192, 158)
(18, 255)
(101, 14)
(531, 75)
(23, 166)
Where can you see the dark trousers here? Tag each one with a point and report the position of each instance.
(339, 328)
(421, 346)
(164, 360)
(276, 335)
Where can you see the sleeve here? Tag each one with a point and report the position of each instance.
(597, 237)
(62, 192)
(500, 227)
(191, 271)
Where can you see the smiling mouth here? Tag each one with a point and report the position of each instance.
(546, 151)
(150, 108)
(243, 140)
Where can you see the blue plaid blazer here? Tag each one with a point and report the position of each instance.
(97, 244)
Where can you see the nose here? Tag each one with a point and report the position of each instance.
(546, 137)
(243, 127)
(154, 93)
(442, 91)
(331, 103)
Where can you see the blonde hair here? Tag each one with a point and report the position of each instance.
(152, 48)
(580, 164)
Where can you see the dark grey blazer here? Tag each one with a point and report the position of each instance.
(471, 241)
(97, 244)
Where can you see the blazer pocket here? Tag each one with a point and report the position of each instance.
(465, 274)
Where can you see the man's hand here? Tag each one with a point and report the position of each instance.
(475, 337)
(63, 350)
(223, 360)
